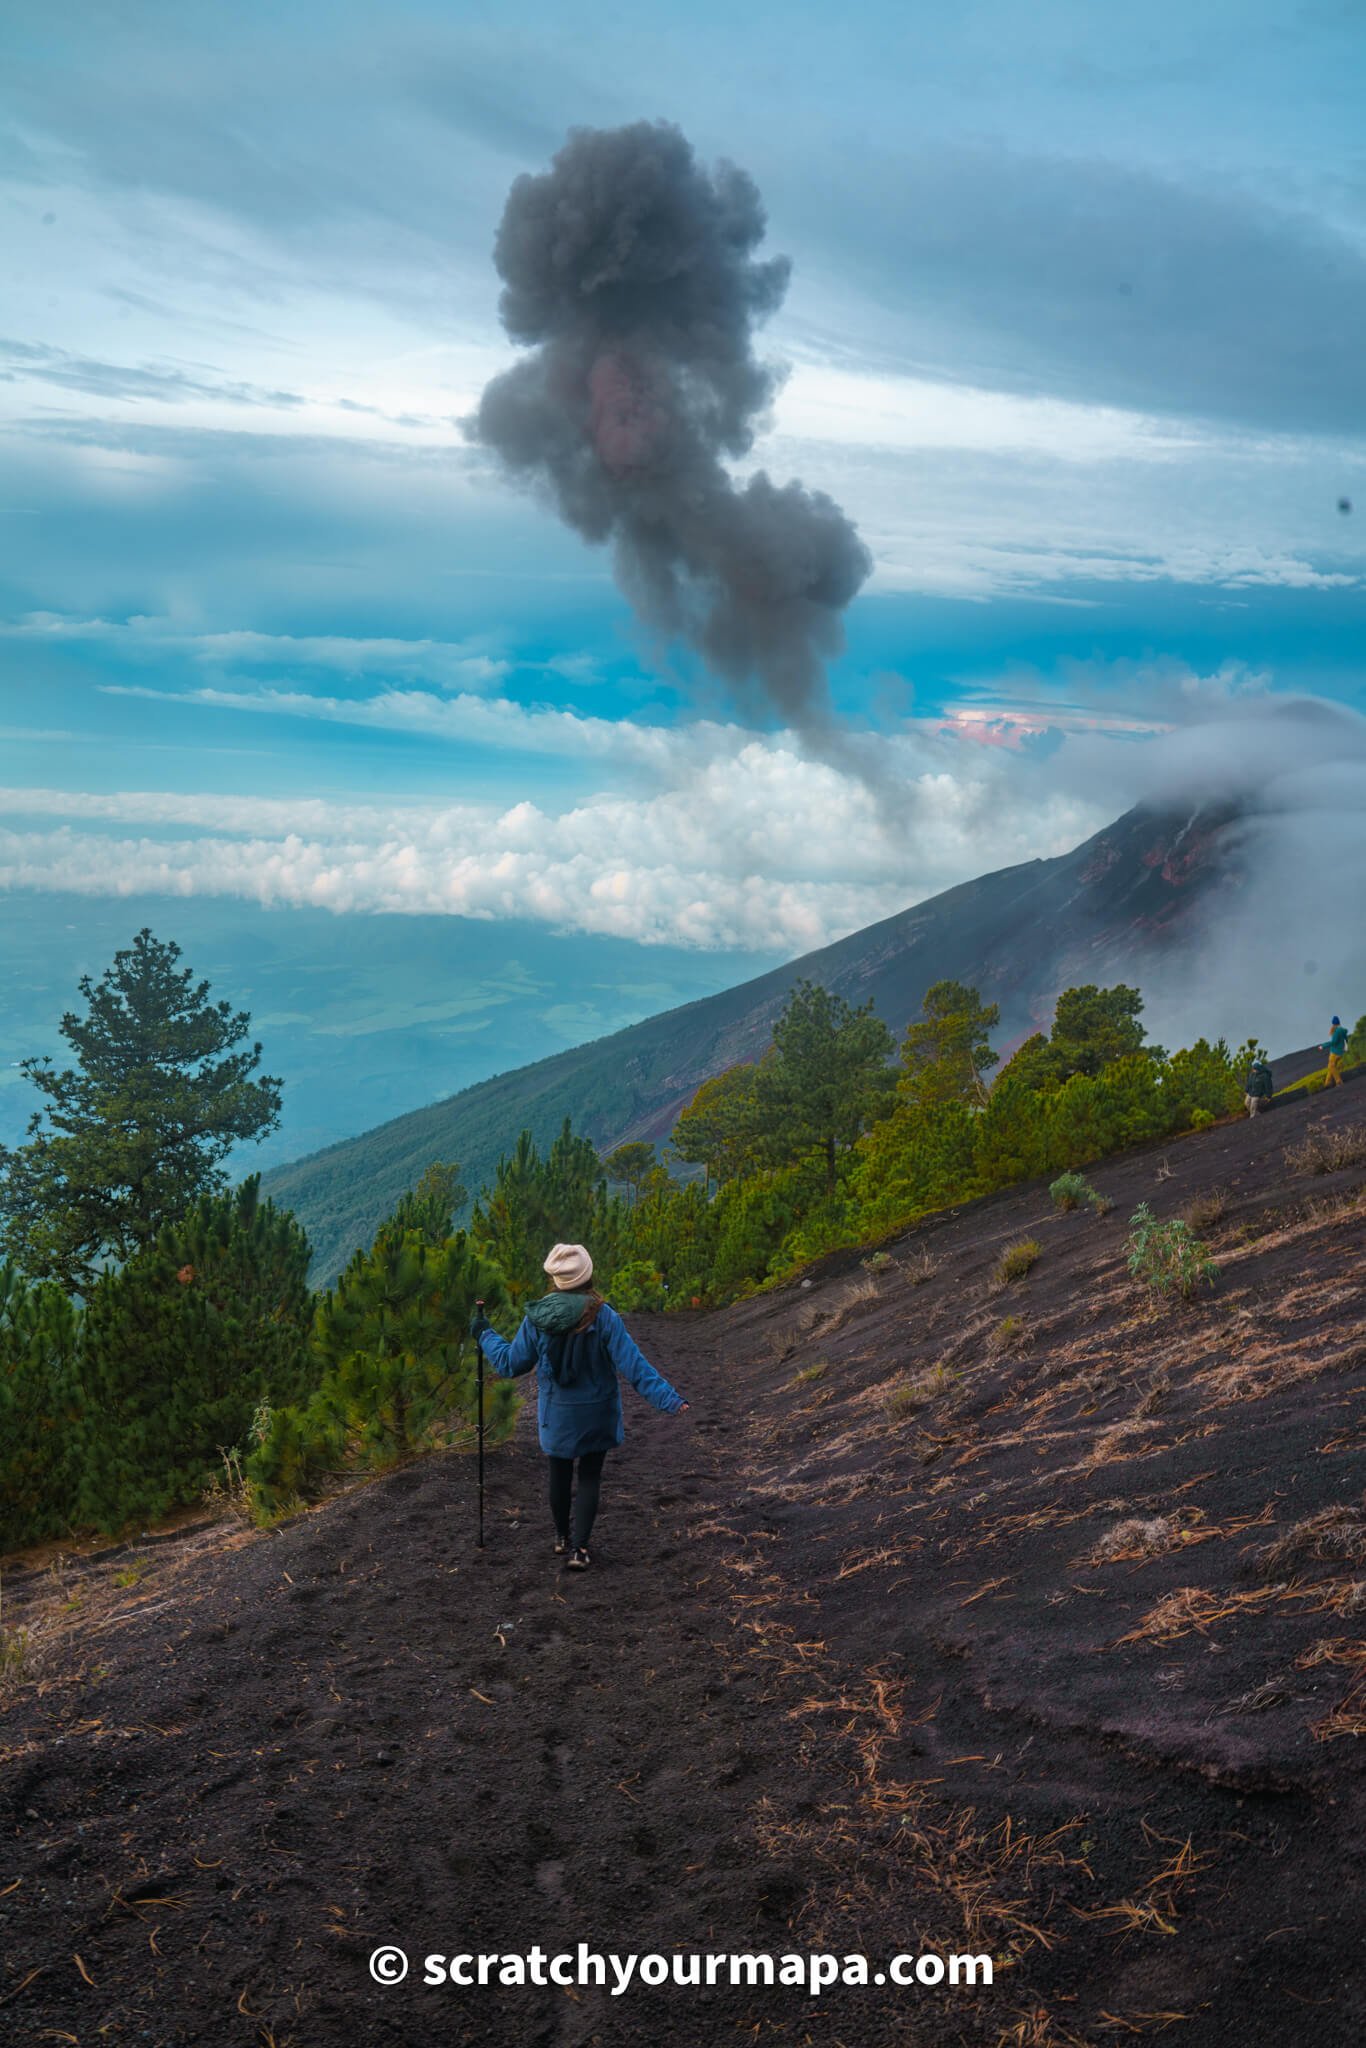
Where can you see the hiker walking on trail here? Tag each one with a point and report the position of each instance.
(1259, 1087)
(1335, 1049)
(577, 1344)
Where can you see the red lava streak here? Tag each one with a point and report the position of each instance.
(627, 421)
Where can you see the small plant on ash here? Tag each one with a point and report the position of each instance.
(913, 1394)
(232, 1490)
(1011, 1334)
(16, 1647)
(1168, 1258)
(1070, 1190)
(815, 1371)
(1016, 1260)
(1202, 1212)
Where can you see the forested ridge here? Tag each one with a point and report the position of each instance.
(160, 1344)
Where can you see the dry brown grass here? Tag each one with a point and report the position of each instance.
(1154, 1910)
(919, 1268)
(1137, 1538)
(1195, 1609)
(909, 1396)
(1120, 1440)
(1154, 1395)
(1322, 1150)
(853, 1297)
(1204, 1211)
(1335, 1535)
(1348, 1717)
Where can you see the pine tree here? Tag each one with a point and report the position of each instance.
(673, 1229)
(721, 1130)
(828, 1077)
(138, 1128)
(922, 1155)
(1076, 1124)
(629, 1166)
(915, 1160)
(1011, 1142)
(40, 1407)
(1203, 1077)
(946, 1052)
(182, 1345)
(396, 1361)
(536, 1202)
(430, 1207)
(1091, 1027)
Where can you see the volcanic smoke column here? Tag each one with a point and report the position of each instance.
(630, 273)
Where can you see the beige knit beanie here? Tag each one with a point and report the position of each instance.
(569, 1266)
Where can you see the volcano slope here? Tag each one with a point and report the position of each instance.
(1020, 1618)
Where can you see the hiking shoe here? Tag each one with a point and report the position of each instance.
(578, 1561)
(561, 1545)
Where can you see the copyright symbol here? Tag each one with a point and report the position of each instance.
(388, 1966)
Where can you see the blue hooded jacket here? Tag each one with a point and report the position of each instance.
(579, 1405)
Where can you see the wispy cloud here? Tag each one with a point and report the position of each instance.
(166, 382)
(452, 664)
(462, 719)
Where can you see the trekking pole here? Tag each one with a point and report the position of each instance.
(479, 1382)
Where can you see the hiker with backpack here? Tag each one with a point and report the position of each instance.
(577, 1344)
(1335, 1048)
(1259, 1087)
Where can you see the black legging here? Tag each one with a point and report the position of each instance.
(586, 1505)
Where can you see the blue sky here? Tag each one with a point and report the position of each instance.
(1074, 334)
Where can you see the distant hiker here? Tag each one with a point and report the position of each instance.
(1259, 1087)
(1335, 1048)
(578, 1344)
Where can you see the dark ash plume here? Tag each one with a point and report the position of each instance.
(630, 273)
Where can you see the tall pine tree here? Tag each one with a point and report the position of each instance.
(162, 1090)
(828, 1077)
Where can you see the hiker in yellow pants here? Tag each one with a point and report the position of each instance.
(1335, 1048)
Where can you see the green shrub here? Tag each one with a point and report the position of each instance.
(1201, 1118)
(638, 1286)
(1070, 1190)
(1168, 1258)
(1016, 1260)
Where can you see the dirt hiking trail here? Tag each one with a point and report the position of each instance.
(1019, 1618)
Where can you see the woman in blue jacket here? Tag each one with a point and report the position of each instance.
(578, 1344)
